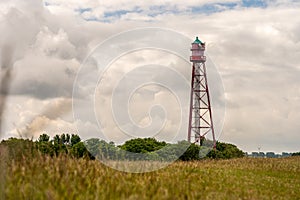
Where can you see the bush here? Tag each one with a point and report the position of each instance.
(142, 145)
(192, 153)
(79, 150)
(296, 154)
(17, 149)
(225, 151)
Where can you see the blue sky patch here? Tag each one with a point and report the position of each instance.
(119, 13)
(82, 10)
(213, 8)
(154, 11)
(159, 10)
(254, 3)
(220, 7)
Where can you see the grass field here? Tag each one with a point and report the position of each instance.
(66, 178)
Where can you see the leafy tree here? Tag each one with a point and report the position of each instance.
(204, 150)
(142, 145)
(68, 139)
(63, 139)
(92, 146)
(75, 139)
(79, 150)
(44, 145)
(44, 138)
(46, 148)
(225, 151)
(192, 153)
(296, 154)
(57, 139)
(101, 149)
(59, 145)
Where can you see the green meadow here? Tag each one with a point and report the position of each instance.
(63, 177)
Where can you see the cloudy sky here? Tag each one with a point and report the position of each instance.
(254, 45)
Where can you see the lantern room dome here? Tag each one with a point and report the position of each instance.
(197, 41)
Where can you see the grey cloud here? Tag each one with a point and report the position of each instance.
(53, 111)
(256, 51)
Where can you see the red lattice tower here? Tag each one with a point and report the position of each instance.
(200, 119)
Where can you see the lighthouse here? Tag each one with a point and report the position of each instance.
(200, 117)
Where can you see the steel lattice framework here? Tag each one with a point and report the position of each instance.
(200, 119)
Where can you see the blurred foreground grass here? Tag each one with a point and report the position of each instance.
(43, 177)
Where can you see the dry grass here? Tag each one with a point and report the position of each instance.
(66, 178)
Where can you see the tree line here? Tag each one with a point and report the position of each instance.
(140, 148)
(65, 144)
(296, 154)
